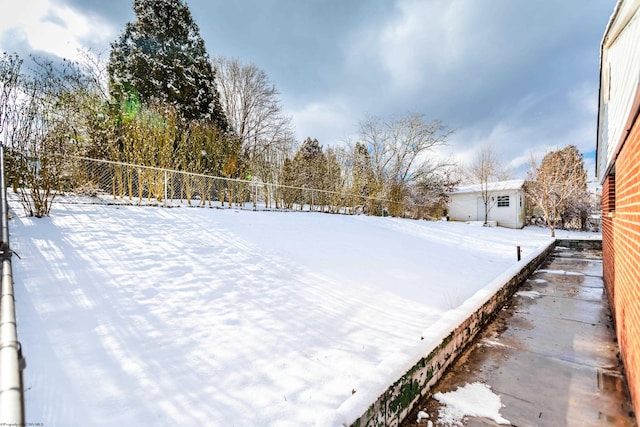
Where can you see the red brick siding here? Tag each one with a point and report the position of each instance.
(621, 254)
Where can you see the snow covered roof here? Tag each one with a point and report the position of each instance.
(513, 184)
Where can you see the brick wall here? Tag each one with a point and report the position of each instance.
(621, 254)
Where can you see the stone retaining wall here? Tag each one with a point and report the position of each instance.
(582, 244)
(395, 403)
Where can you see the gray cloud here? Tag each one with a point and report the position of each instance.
(114, 11)
(522, 76)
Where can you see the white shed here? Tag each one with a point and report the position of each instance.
(506, 203)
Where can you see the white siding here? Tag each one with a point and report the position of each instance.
(506, 216)
(464, 207)
(620, 79)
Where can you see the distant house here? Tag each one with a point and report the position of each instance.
(506, 203)
(618, 169)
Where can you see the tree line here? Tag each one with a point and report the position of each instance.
(160, 100)
(555, 189)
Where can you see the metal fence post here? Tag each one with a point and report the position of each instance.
(165, 188)
(255, 191)
(11, 360)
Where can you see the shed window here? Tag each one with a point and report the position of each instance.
(503, 201)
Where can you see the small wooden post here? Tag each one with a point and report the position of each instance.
(518, 251)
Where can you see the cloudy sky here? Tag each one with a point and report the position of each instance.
(520, 76)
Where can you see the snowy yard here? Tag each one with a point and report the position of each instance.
(186, 316)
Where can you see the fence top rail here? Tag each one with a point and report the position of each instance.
(242, 181)
(12, 403)
(238, 180)
(4, 208)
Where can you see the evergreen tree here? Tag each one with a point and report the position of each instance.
(362, 170)
(289, 195)
(309, 164)
(333, 180)
(161, 58)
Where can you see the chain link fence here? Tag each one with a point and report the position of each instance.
(86, 180)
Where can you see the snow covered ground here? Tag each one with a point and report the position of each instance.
(188, 316)
(471, 400)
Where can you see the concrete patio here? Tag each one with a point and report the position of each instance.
(551, 354)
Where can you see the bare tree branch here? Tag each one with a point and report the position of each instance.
(557, 184)
(483, 170)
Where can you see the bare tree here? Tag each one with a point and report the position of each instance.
(253, 110)
(9, 73)
(430, 193)
(96, 120)
(10, 107)
(398, 149)
(39, 134)
(484, 170)
(557, 184)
